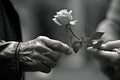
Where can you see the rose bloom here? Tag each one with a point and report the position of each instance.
(64, 18)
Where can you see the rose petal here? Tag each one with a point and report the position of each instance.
(73, 22)
(55, 20)
(63, 20)
(64, 17)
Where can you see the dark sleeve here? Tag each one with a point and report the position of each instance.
(10, 32)
(8, 68)
(7, 49)
(9, 22)
(7, 53)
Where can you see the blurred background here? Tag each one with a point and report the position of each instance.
(36, 19)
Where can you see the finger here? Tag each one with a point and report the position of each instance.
(42, 49)
(35, 66)
(56, 45)
(46, 60)
(113, 56)
(54, 55)
(44, 68)
(111, 45)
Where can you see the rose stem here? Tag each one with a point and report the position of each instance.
(74, 34)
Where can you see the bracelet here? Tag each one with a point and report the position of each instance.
(18, 70)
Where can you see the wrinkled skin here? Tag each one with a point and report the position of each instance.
(40, 54)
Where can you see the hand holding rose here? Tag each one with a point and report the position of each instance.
(109, 52)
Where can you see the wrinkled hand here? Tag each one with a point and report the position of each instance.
(109, 53)
(41, 54)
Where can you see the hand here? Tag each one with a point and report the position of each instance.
(41, 54)
(108, 53)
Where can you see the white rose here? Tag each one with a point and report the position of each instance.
(64, 18)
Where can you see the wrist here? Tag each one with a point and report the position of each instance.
(10, 48)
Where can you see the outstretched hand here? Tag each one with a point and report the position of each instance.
(108, 52)
(41, 54)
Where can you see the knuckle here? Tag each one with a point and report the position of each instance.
(42, 38)
(39, 37)
(37, 45)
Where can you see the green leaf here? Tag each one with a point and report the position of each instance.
(97, 35)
